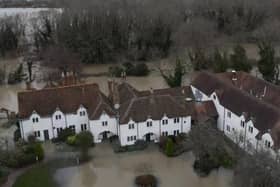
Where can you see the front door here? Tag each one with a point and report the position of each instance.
(46, 135)
(105, 136)
(148, 137)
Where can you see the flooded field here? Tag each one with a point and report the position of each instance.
(119, 170)
(8, 93)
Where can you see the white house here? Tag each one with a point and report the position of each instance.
(44, 113)
(248, 120)
(128, 113)
(148, 115)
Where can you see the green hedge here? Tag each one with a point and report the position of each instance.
(22, 156)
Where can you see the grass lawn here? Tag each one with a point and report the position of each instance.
(38, 176)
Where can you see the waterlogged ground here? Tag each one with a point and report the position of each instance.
(119, 170)
(8, 93)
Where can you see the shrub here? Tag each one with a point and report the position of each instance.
(115, 71)
(169, 149)
(17, 135)
(175, 78)
(239, 59)
(128, 68)
(71, 140)
(37, 150)
(64, 134)
(84, 140)
(141, 70)
(23, 155)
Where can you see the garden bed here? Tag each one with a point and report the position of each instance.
(173, 146)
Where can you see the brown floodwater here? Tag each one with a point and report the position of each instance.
(8, 93)
(119, 170)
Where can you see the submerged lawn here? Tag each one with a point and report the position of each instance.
(38, 176)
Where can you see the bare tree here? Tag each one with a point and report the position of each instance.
(257, 170)
(62, 59)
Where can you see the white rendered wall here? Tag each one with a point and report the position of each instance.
(28, 127)
(96, 127)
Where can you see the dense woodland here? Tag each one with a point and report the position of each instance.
(111, 31)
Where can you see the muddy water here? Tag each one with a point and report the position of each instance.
(153, 80)
(8, 93)
(119, 170)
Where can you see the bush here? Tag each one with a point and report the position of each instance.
(169, 149)
(37, 150)
(71, 140)
(128, 68)
(141, 70)
(23, 155)
(17, 135)
(64, 134)
(115, 71)
(84, 140)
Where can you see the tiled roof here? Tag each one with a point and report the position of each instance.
(269, 93)
(154, 107)
(139, 105)
(266, 116)
(67, 98)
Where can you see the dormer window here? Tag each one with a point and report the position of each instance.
(57, 117)
(267, 144)
(165, 122)
(149, 123)
(104, 123)
(131, 126)
(82, 113)
(35, 120)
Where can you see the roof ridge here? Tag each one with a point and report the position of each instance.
(97, 107)
(244, 93)
(130, 89)
(128, 108)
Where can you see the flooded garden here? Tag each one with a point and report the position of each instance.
(110, 169)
